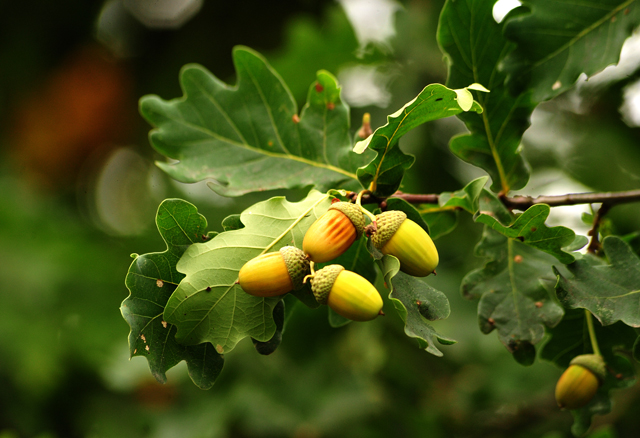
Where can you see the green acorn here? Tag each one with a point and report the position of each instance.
(274, 273)
(409, 242)
(333, 232)
(580, 381)
(347, 293)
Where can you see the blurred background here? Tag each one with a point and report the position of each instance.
(79, 191)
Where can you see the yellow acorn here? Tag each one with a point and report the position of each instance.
(579, 383)
(333, 232)
(347, 293)
(409, 242)
(274, 273)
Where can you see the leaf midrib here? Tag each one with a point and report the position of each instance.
(580, 35)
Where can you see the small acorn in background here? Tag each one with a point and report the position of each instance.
(409, 242)
(580, 381)
(347, 293)
(333, 233)
(274, 273)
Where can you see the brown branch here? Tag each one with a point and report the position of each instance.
(610, 198)
(594, 244)
(524, 202)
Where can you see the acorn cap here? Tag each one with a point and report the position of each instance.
(297, 264)
(592, 362)
(387, 223)
(353, 212)
(322, 282)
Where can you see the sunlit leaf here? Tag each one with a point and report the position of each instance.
(474, 48)
(151, 280)
(208, 305)
(384, 173)
(250, 137)
(610, 291)
(558, 41)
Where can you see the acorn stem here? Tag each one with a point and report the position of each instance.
(364, 210)
(312, 268)
(592, 332)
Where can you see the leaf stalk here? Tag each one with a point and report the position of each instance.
(592, 333)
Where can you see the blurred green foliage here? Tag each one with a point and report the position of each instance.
(64, 368)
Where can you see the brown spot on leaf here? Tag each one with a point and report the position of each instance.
(159, 283)
(295, 118)
(626, 11)
(144, 339)
(491, 321)
(613, 19)
(539, 304)
(331, 106)
(418, 302)
(520, 238)
(208, 289)
(164, 324)
(533, 229)
(146, 348)
(219, 349)
(319, 88)
(270, 143)
(518, 258)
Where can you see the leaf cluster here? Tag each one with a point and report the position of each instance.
(535, 285)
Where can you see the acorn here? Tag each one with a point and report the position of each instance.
(347, 293)
(409, 242)
(579, 383)
(333, 232)
(274, 273)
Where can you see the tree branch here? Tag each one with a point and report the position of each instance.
(610, 198)
(524, 202)
(594, 244)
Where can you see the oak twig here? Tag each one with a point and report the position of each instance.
(523, 202)
(594, 244)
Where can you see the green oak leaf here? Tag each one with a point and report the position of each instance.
(268, 347)
(558, 41)
(417, 303)
(513, 298)
(467, 198)
(232, 222)
(151, 280)
(384, 173)
(441, 222)
(443, 217)
(609, 291)
(474, 49)
(529, 228)
(249, 137)
(570, 338)
(209, 305)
